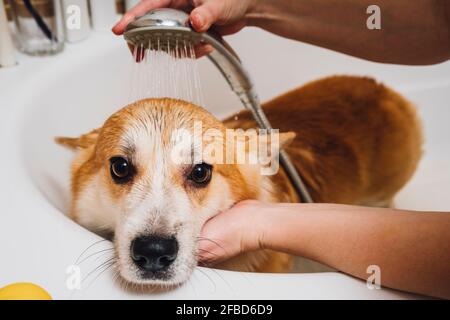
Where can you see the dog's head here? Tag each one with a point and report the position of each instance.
(151, 177)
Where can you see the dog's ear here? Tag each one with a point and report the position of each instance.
(269, 158)
(265, 153)
(254, 141)
(82, 142)
(277, 141)
(286, 138)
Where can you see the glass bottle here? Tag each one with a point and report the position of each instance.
(39, 28)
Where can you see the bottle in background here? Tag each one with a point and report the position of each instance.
(38, 26)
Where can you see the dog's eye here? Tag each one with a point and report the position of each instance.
(201, 173)
(121, 170)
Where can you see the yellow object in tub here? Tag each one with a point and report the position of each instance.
(24, 291)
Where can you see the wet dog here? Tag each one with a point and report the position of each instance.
(143, 178)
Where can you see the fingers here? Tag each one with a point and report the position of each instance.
(202, 17)
(138, 10)
(215, 244)
(227, 234)
(212, 251)
(206, 15)
(203, 50)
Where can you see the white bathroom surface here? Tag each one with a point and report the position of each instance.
(77, 90)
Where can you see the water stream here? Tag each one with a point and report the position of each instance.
(165, 69)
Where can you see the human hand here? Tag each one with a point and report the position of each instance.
(235, 231)
(230, 16)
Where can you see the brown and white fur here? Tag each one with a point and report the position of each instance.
(356, 142)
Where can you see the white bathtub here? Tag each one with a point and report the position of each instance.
(74, 92)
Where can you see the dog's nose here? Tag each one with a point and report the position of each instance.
(152, 253)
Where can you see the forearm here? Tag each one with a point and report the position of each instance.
(412, 249)
(415, 32)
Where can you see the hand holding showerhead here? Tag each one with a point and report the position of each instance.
(228, 16)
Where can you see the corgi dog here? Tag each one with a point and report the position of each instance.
(353, 141)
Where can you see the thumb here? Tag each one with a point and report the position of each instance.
(230, 233)
(212, 251)
(206, 15)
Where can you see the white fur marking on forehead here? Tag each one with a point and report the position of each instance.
(149, 197)
(195, 146)
(160, 173)
(142, 139)
(182, 149)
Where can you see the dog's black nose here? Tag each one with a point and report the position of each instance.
(153, 253)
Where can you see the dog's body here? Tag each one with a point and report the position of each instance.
(357, 142)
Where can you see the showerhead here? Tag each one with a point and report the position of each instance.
(163, 26)
(163, 29)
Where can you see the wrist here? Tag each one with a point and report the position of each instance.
(263, 224)
(285, 226)
(289, 19)
(254, 224)
(261, 12)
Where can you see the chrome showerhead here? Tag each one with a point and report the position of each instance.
(162, 26)
(165, 29)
